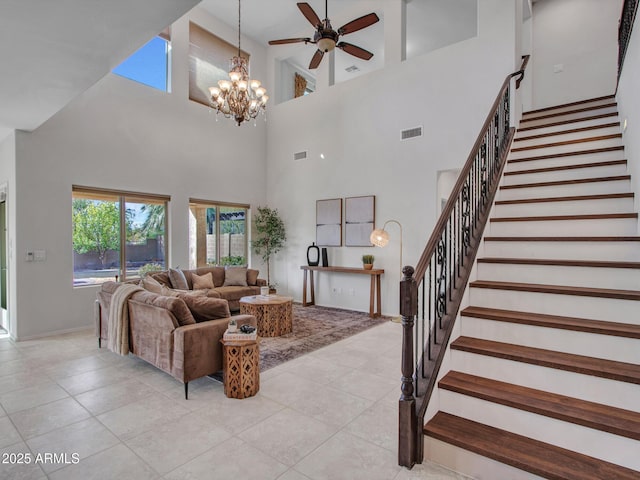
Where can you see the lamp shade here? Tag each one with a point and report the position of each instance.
(379, 237)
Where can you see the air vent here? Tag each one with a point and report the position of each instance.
(352, 68)
(411, 133)
(300, 155)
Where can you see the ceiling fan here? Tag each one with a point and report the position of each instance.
(326, 38)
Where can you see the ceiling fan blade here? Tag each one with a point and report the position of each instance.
(289, 40)
(309, 14)
(316, 59)
(358, 24)
(355, 51)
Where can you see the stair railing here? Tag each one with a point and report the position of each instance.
(430, 294)
(627, 19)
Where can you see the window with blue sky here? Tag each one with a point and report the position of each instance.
(149, 64)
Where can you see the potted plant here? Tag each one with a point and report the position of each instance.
(270, 235)
(367, 261)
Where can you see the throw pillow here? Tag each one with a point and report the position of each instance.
(178, 280)
(207, 308)
(202, 281)
(151, 284)
(235, 277)
(252, 276)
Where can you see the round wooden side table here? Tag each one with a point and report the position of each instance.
(274, 313)
(241, 368)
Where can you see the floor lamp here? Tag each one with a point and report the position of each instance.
(380, 238)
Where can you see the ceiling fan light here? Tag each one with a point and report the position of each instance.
(326, 44)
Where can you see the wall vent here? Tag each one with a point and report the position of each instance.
(351, 69)
(411, 133)
(300, 155)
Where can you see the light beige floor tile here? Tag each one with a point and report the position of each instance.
(20, 380)
(292, 474)
(135, 418)
(319, 370)
(6, 344)
(13, 367)
(233, 459)
(83, 438)
(114, 396)
(332, 406)
(429, 471)
(288, 387)
(20, 471)
(175, 443)
(203, 392)
(115, 463)
(39, 420)
(348, 357)
(363, 384)
(377, 424)
(91, 380)
(76, 366)
(288, 436)
(238, 415)
(161, 381)
(8, 433)
(9, 354)
(30, 397)
(2, 412)
(347, 456)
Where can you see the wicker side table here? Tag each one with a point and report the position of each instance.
(274, 314)
(241, 366)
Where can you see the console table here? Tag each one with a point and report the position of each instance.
(374, 292)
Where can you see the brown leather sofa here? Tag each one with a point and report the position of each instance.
(164, 331)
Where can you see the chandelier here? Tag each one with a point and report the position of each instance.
(239, 97)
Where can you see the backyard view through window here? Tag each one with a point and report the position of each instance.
(116, 235)
(217, 234)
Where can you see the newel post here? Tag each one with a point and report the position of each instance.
(408, 429)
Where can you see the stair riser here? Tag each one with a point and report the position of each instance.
(579, 343)
(595, 308)
(613, 251)
(574, 207)
(597, 277)
(558, 128)
(568, 116)
(567, 190)
(585, 387)
(614, 142)
(592, 104)
(471, 464)
(600, 227)
(565, 136)
(560, 175)
(619, 450)
(584, 158)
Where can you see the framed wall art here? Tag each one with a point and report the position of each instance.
(329, 222)
(360, 218)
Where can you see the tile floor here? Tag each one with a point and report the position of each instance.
(331, 414)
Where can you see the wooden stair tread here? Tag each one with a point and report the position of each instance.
(521, 452)
(565, 154)
(617, 294)
(600, 327)
(545, 218)
(597, 367)
(568, 142)
(564, 239)
(561, 263)
(617, 421)
(569, 112)
(569, 131)
(567, 122)
(578, 166)
(604, 196)
(576, 181)
(571, 104)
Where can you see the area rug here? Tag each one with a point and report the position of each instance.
(314, 327)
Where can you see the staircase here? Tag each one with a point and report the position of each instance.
(544, 375)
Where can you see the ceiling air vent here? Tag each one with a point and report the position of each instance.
(351, 69)
(411, 133)
(300, 155)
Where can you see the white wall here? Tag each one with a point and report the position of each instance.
(123, 135)
(580, 35)
(8, 177)
(629, 107)
(356, 125)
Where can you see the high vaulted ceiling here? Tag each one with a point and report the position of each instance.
(53, 50)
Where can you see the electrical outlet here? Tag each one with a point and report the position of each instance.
(29, 257)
